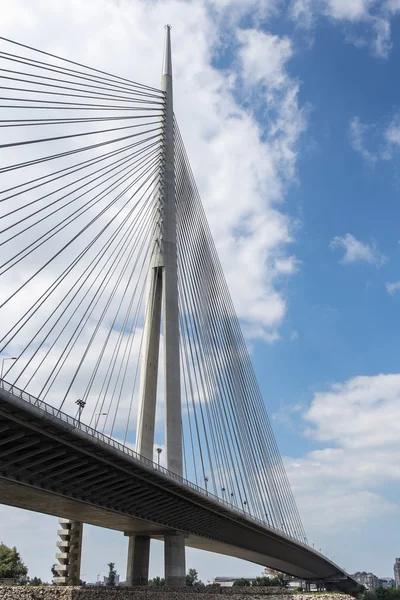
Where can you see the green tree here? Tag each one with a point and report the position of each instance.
(111, 574)
(53, 571)
(242, 582)
(11, 565)
(35, 581)
(359, 591)
(280, 580)
(157, 582)
(192, 577)
(261, 582)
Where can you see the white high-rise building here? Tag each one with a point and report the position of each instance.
(396, 569)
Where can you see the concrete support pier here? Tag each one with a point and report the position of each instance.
(69, 555)
(137, 568)
(162, 301)
(174, 560)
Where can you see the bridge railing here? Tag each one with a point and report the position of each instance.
(77, 424)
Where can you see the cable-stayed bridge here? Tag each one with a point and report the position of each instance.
(127, 395)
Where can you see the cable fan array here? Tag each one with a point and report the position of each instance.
(81, 153)
(227, 425)
(82, 164)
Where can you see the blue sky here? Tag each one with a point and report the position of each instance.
(292, 108)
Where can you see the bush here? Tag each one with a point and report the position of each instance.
(242, 582)
(261, 582)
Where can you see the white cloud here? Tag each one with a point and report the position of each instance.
(382, 44)
(392, 132)
(340, 485)
(358, 133)
(375, 401)
(373, 14)
(385, 139)
(357, 251)
(286, 412)
(392, 6)
(287, 265)
(235, 9)
(263, 57)
(392, 286)
(301, 11)
(328, 506)
(351, 10)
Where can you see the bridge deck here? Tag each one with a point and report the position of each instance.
(53, 464)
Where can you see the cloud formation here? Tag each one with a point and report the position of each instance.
(243, 160)
(356, 251)
(392, 286)
(357, 422)
(376, 14)
(376, 141)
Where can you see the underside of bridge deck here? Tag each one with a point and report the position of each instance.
(50, 467)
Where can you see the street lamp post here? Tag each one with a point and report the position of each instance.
(205, 482)
(2, 363)
(81, 405)
(158, 450)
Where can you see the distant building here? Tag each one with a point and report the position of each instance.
(370, 580)
(397, 571)
(228, 581)
(386, 582)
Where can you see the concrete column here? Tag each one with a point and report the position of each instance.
(174, 560)
(149, 367)
(137, 568)
(163, 296)
(69, 557)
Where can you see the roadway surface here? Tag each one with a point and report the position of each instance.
(51, 463)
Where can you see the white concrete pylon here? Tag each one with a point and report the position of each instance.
(172, 383)
(163, 283)
(162, 301)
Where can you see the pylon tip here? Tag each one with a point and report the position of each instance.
(167, 62)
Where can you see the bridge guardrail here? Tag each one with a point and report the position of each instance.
(76, 424)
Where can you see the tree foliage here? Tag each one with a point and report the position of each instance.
(280, 580)
(359, 591)
(261, 582)
(192, 578)
(35, 581)
(383, 593)
(111, 574)
(11, 565)
(157, 581)
(241, 582)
